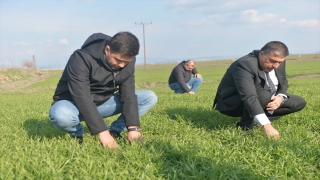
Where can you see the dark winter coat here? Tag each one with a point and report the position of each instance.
(88, 81)
(182, 76)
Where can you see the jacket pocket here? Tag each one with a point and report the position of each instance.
(99, 99)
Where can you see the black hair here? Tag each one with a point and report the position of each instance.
(124, 43)
(277, 47)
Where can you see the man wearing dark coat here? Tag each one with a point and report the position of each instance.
(255, 89)
(98, 82)
(181, 80)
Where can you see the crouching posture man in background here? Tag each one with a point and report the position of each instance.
(97, 82)
(255, 89)
(180, 79)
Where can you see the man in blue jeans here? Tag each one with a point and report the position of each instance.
(180, 79)
(97, 82)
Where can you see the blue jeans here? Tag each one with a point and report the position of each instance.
(193, 85)
(65, 115)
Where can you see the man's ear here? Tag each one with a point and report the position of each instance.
(107, 49)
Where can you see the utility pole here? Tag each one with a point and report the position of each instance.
(34, 63)
(8, 59)
(144, 42)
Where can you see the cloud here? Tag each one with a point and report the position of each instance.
(253, 17)
(20, 43)
(64, 41)
(199, 22)
(215, 7)
(306, 23)
(248, 16)
(45, 43)
(29, 51)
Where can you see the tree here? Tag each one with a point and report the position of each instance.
(29, 64)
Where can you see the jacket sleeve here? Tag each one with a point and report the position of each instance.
(78, 83)
(244, 80)
(178, 73)
(194, 71)
(129, 100)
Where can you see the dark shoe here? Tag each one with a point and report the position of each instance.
(79, 138)
(115, 134)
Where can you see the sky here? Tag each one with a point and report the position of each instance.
(174, 30)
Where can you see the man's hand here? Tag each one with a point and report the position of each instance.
(270, 131)
(191, 92)
(107, 140)
(197, 75)
(275, 103)
(135, 136)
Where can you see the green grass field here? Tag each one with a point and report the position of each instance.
(185, 138)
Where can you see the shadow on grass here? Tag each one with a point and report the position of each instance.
(185, 163)
(41, 128)
(209, 118)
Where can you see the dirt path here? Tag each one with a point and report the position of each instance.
(16, 86)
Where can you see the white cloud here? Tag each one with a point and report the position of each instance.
(29, 51)
(252, 16)
(268, 19)
(214, 7)
(20, 43)
(45, 43)
(205, 20)
(306, 23)
(64, 41)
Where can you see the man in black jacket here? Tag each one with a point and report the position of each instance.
(98, 82)
(255, 89)
(180, 79)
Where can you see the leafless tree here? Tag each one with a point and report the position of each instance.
(29, 64)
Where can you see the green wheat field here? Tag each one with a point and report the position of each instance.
(185, 138)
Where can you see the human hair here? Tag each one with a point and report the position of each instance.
(187, 62)
(279, 48)
(124, 43)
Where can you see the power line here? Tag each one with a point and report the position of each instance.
(144, 43)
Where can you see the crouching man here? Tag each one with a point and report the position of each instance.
(97, 82)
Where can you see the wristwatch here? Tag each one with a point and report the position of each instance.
(134, 129)
(282, 98)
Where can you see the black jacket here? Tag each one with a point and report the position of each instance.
(88, 81)
(181, 75)
(242, 81)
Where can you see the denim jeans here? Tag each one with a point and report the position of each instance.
(193, 85)
(65, 115)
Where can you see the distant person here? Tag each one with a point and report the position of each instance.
(97, 82)
(255, 89)
(181, 80)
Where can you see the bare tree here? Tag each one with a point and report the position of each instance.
(29, 64)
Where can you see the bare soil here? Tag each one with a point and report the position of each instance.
(10, 82)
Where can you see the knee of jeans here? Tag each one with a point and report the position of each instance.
(63, 118)
(152, 97)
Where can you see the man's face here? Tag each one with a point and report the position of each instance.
(116, 60)
(190, 66)
(270, 62)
